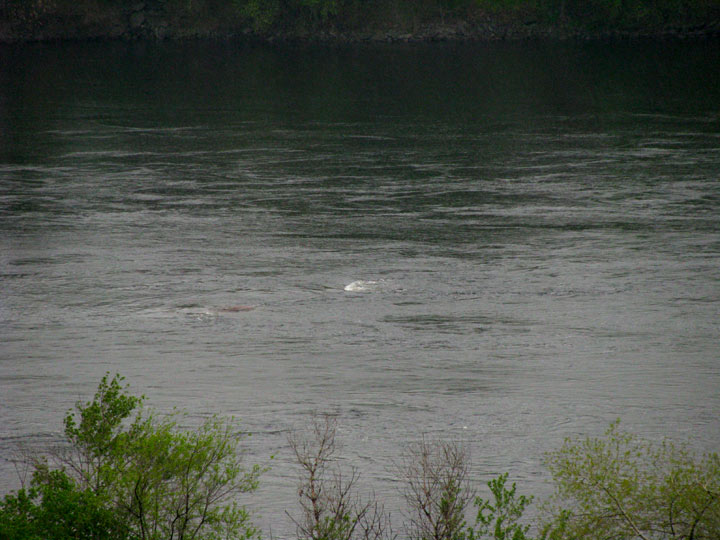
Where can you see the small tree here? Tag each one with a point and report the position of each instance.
(54, 507)
(159, 481)
(183, 484)
(437, 490)
(499, 519)
(95, 440)
(438, 494)
(621, 486)
(329, 508)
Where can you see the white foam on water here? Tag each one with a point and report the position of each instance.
(361, 286)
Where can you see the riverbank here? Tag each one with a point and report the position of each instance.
(352, 21)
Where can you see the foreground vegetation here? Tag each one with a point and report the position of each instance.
(124, 473)
(353, 19)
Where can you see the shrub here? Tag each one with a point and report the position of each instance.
(621, 486)
(329, 507)
(54, 507)
(437, 489)
(438, 492)
(143, 472)
(499, 518)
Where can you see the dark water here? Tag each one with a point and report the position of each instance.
(537, 227)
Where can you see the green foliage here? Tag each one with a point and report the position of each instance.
(321, 9)
(500, 6)
(624, 14)
(621, 486)
(159, 481)
(262, 14)
(125, 475)
(54, 507)
(97, 436)
(438, 492)
(181, 484)
(500, 518)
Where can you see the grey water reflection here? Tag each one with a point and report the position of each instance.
(536, 226)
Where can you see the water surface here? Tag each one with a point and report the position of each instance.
(537, 227)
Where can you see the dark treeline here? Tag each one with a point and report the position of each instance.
(353, 20)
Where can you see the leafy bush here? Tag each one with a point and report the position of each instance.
(142, 477)
(438, 492)
(128, 475)
(621, 486)
(54, 507)
(500, 518)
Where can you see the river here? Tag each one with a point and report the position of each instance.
(529, 236)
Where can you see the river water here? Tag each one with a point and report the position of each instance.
(535, 229)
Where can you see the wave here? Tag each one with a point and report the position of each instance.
(361, 286)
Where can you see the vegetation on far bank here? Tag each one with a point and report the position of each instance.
(352, 19)
(126, 474)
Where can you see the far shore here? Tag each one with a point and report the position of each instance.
(155, 20)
